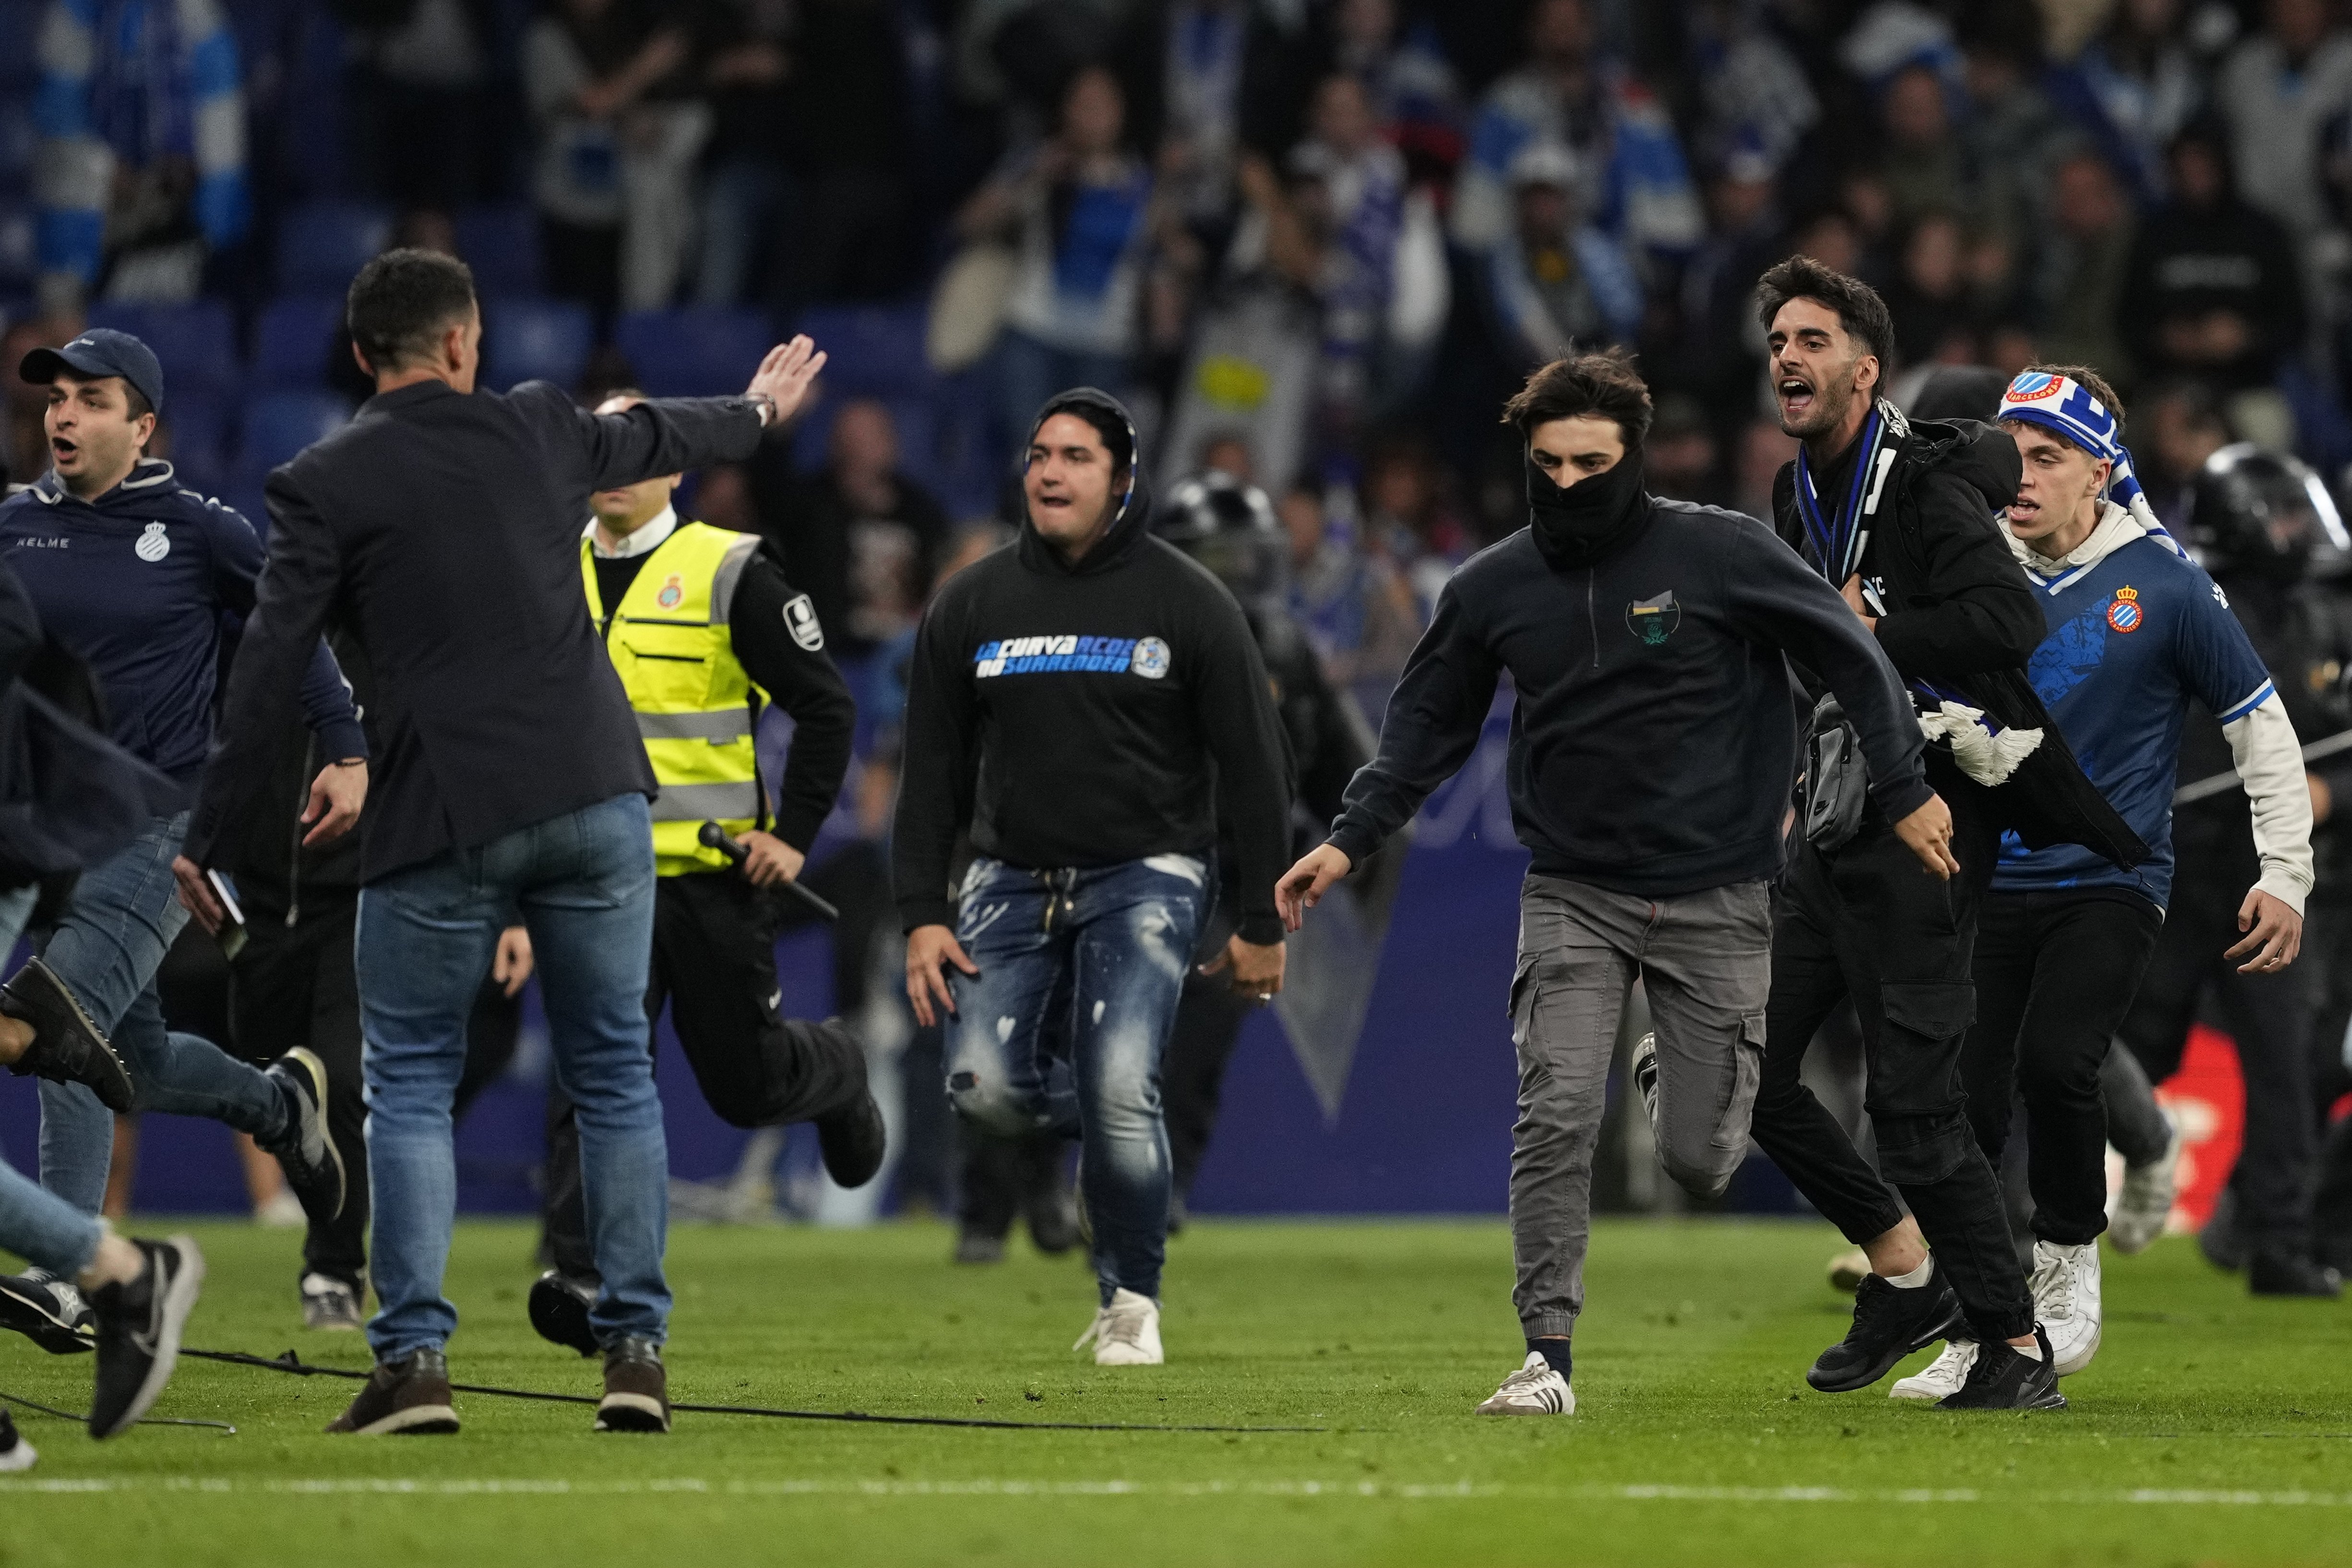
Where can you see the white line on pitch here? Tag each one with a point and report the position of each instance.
(1409, 1492)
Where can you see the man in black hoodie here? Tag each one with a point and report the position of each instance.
(1090, 706)
(1899, 517)
(1652, 748)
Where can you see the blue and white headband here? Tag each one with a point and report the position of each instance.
(2066, 408)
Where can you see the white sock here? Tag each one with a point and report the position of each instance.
(1915, 1278)
(2030, 1352)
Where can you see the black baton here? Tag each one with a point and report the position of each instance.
(714, 837)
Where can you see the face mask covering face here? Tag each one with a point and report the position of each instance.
(1589, 519)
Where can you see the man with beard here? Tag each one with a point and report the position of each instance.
(1899, 517)
(1652, 750)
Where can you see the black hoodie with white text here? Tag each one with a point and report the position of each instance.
(1090, 714)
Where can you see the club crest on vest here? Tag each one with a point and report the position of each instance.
(1653, 620)
(671, 593)
(800, 619)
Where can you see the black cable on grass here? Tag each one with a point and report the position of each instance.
(20, 1399)
(295, 1364)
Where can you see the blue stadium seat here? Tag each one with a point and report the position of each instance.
(871, 350)
(693, 351)
(321, 245)
(293, 339)
(536, 340)
(279, 424)
(500, 243)
(196, 343)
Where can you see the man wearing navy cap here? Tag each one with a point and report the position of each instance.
(136, 576)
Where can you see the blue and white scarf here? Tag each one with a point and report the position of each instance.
(1839, 533)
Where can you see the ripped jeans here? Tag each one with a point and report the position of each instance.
(1063, 1029)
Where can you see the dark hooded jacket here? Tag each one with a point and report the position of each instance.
(1958, 615)
(1089, 715)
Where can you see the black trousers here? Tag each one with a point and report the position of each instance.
(1869, 923)
(2055, 972)
(1208, 1021)
(2327, 945)
(2268, 1017)
(714, 965)
(294, 985)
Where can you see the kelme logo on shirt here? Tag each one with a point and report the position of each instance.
(154, 544)
(2125, 614)
(1653, 620)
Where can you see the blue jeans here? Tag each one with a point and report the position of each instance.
(121, 919)
(585, 884)
(35, 1225)
(1063, 1030)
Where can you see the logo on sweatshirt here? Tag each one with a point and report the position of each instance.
(154, 544)
(1653, 620)
(1064, 654)
(2125, 614)
(1152, 659)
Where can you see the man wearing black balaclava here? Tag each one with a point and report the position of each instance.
(1652, 748)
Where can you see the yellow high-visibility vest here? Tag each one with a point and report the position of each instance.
(695, 703)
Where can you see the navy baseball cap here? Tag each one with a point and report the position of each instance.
(101, 351)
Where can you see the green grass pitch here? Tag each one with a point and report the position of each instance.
(2213, 1428)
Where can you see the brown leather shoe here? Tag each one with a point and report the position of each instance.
(636, 1389)
(410, 1396)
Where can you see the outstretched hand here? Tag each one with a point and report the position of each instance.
(786, 375)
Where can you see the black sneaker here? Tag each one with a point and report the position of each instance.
(2273, 1272)
(139, 1328)
(636, 1389)
(68, 1045)
(46, 1310)
(1889, 1324)
(1050, 1209)
(559, 1310)
(979, 1247)
(2002, 1379)
(2221, 1238)
(852, 1139)
(314, 1167)
(408, 1397)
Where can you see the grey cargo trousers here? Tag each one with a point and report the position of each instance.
(1705, 961)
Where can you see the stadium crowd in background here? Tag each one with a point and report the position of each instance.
(1312, 245)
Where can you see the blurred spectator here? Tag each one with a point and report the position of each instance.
(2176, 428)
(1408, 521)
(2213, 290)
(1567, 93)
(861, 538)
(1716, 348)
(2012, 130)
(1357, 610)
(1229, 456)
(723, 498)
(2138, 83)
(1348, 231)
(1754, 94)
(2078, 285)
(1929, 295)
(422, 72)
(618, 135)
(1919, 161)
(140, 165)
(849, 89)
(747, 187)
(1679, 457)
(25, 439)
(1764, 449)
(1558, 284)
(1204, 79)
(1079, 207)
(2275, 91)
(1830, 237)
(1412, 88)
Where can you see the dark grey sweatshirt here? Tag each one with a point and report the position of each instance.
(1654, 740)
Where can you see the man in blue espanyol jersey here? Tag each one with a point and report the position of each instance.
(2136, 630)
(136, 575)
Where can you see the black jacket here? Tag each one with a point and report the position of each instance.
(1087, 715)
(1654, 740)
(1959, 614)
(444, 530)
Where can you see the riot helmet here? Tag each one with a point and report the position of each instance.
(1230, 528)
(2268, 515)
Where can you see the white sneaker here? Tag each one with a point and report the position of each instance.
(1126, 1332)
(1944, 1375)
(1643, 1065)
(2139, 1212)
(283, 1212)
(2066, 1300)
(329, 1304)
(1535, 1389)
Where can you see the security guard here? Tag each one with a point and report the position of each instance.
(704, 631)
